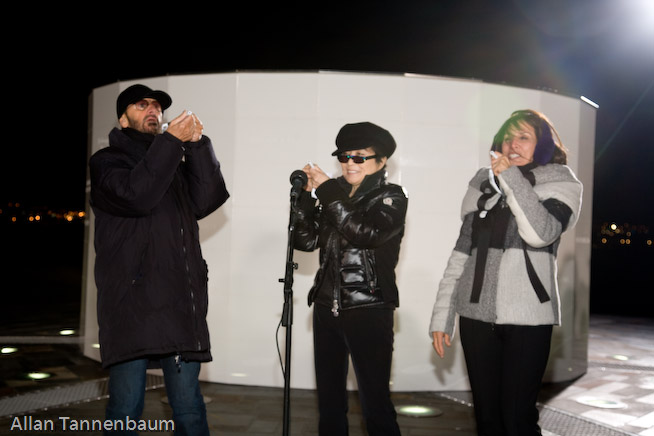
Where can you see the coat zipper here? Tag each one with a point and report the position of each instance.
(190, 285)
(335, 308)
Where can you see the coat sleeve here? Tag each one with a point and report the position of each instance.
(123, 189)
(539, 225)
(443, 312)
(204, 178)
(367, 228)
(305, 236)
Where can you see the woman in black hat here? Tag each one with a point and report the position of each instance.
(358, 225)
(501, 276)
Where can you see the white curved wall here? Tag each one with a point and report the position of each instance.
(265, 125)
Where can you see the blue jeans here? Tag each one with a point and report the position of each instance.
(127, 394)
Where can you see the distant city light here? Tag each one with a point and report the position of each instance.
(626, 235)
(15, 213)
(67, 332)
(8, 350)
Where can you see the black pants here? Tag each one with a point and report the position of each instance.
(505, 364)
(367, 336)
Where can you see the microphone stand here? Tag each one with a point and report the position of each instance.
(287, 313)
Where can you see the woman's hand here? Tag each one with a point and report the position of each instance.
(499, 163)
(439, 338)
(315, 175)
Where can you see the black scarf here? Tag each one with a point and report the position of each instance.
(144, 139)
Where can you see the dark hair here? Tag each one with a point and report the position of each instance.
(549, 148)
(379, 152)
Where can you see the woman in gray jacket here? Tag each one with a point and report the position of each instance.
(501, 276)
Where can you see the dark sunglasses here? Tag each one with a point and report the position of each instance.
(343, 158)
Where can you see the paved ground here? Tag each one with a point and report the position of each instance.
(614, 397)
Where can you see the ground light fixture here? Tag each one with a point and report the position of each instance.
(601, 403)
(620, 357)
(418, 411)
(37, 375)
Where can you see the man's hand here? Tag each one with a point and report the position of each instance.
(197, 132)
(186, 127)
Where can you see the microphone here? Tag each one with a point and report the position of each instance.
(298, 181)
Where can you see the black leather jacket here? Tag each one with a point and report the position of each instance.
(359, 240)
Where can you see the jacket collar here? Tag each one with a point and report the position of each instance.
(526, 172)
(130, 141)
(370, 182)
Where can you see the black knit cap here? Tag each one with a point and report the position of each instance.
(138, 92)
(357, 136)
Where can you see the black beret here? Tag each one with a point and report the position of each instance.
(357, 136)
(138, 92)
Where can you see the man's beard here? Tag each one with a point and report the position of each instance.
(147, 126)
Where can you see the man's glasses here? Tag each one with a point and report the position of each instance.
(143, 105)
(343, 158)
